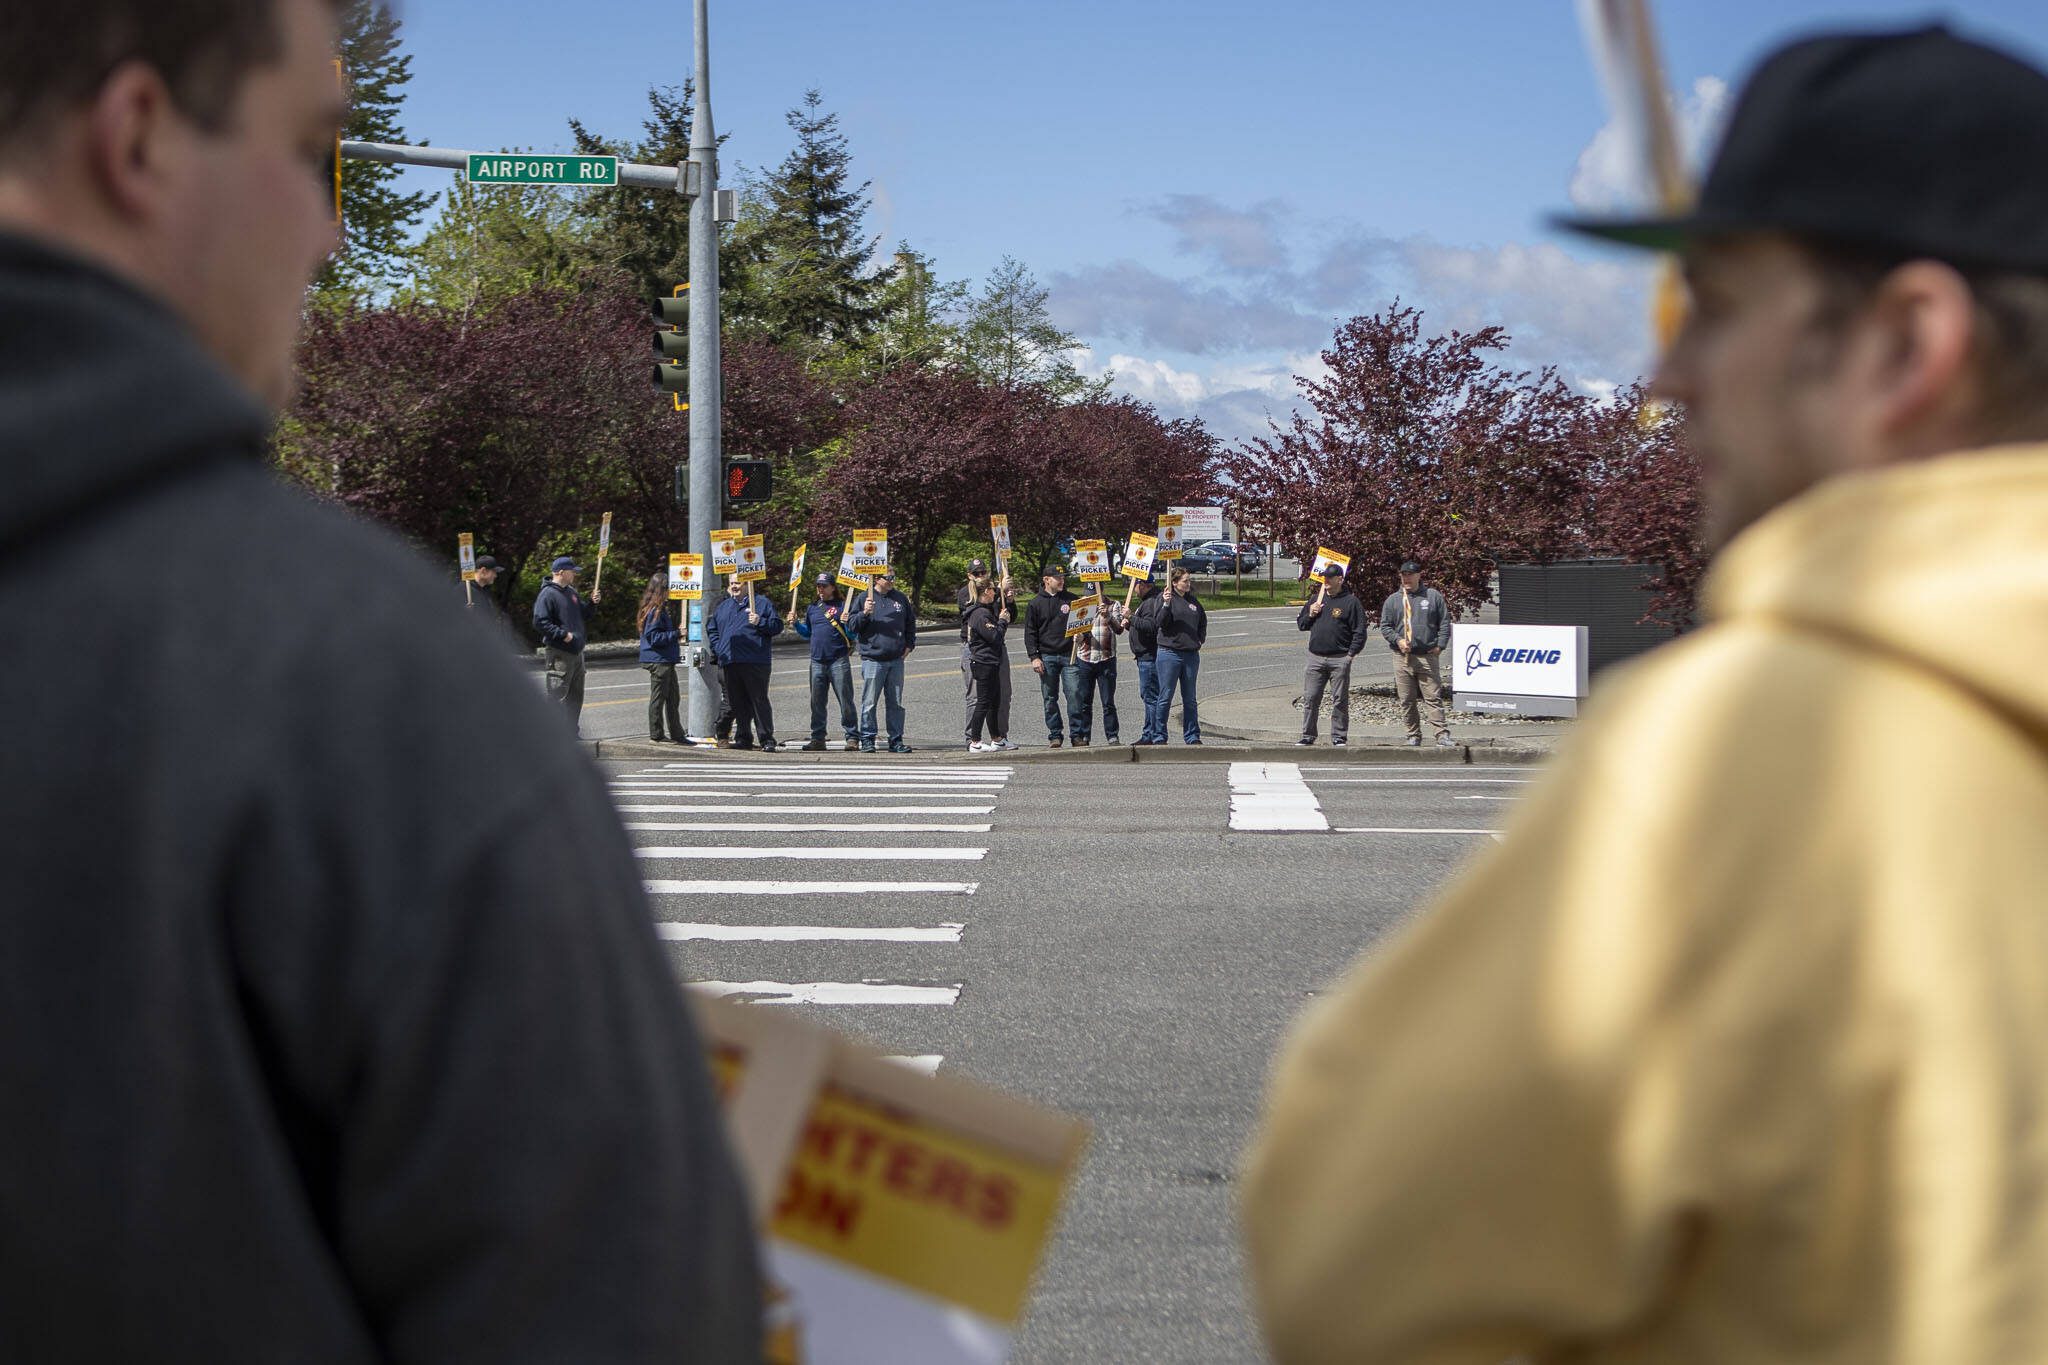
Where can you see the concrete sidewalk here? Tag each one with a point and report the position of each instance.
(1271, 717)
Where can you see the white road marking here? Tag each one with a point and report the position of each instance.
(853, 852)
(816, 780)
(1371, 829)
(1422, 781)
(831, 992)
(750, 888)
(798, 794)
(928, 1064)
(805, 933)
(777, 807)
(1486, 798)
(987, 791)
(796, 827)
(1272, 796)
(708, 765)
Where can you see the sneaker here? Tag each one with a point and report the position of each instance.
(816, 746)
(866, 747)
(769, 746)
(1194, 741)
(1413, 741)
(1306, 740)
(1114, 740)
(900, 748)
(1008, 744)
(1053, 742)
(1146, 742)
(1444, 741)
(1336, 744)
(1080, 744)
(737, 745)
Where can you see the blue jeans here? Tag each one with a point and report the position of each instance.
(826, 679)
(881, 680)
(1095, 678)
(1060, 679)
(1177, 668)
(1154, 704)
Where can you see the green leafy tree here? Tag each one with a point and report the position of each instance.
(492, 242)
(1009, 339)
(919, 320)
(805, 273)
(376, 219)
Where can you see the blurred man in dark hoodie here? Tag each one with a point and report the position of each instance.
(310, 1052)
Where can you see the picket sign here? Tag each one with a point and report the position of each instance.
(865, 552)
(685, 578)
(903, 1215)
(604, 545)
(1325, 558)
(1084, 614)
(1139, 551)
(465, 555)
(796, 575)
(1169, 536)
(725, 550)
(1091, 561)
(999, 532)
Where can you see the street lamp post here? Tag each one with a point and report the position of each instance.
(707, 462)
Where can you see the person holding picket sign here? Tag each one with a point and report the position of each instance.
(987, 622)
(1183, 627)
(831, 663)
(661, 642)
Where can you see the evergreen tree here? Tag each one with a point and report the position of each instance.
(644, 232)
(805, 276)
(918, 324)
(375, 217)
(1009, 339)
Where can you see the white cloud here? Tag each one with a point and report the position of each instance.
(1237, 239)
(1610, 176)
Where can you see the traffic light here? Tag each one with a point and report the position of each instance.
(672, 344)
(748, 481)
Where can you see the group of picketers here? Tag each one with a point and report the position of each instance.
(1165, 631)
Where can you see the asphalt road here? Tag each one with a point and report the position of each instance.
(1247, 649)
(1123, 954)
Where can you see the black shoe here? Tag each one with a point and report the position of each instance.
(1194, 741)
(816, 746)
(657, 739)
(866, 747)
(1080, 744)
(748, 747)
(1306, 740)
(1145, 743)
(900, 748)
(769, 746)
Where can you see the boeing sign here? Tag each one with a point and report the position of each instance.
(1526, 670)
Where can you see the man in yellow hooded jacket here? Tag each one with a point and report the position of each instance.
(1736, 1047)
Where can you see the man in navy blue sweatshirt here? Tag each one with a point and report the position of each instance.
(831, 662)
(558, 618)
(886, 628)
(738, 633)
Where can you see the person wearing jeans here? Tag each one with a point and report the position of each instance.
(1144, 633)
(1094, 668)
(1051, 653)
(1183, 626)
(831, 665)
(887, 631)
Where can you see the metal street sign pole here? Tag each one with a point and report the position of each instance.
(707, 463)
(677, 178)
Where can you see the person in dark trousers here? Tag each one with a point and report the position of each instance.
(1337, 629)
(1417, 625)
(1183, 627)
(977, 570)
(1144, 632)
(886, 629)
(831, 662)
(1094, 666)
(337, 1026)
(739, 632)
(559, 613)
(661, 649)
(987, 622)
(1050, 651)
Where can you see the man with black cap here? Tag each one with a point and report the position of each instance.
(559, 612)
(1736, 1048)
(1337, 629)
(831, 663)
(1417, 624)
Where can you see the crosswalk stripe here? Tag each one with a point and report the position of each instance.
(805, 933)
(1380, 829)
(727, 887)
(1422, 781)
(796, 827)
(808, 793)
(850, 769)
(841, 853)
(783, 808)
(928, 1064)
(832, 992)
(1272, 796)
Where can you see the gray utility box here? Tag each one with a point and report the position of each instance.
(1607, 596)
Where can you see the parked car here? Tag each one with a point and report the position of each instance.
(1209, 558)
(1251, 555)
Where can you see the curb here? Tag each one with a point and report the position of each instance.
(1381, 755)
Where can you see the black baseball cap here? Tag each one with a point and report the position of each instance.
(976, 566)
(1408, 566)
(1919, 142)
(1333, 569)
(486, 562)
(822, 579)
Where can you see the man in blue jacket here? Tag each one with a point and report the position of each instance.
(738, 633)
(831, 662)
(887, 631)
(558, 618)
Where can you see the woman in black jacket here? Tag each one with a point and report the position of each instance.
(1183, 626)
(987, 621)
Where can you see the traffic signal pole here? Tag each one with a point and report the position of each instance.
(707, 455)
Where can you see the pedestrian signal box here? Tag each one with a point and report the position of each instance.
(748, 481)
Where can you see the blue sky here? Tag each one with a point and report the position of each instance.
(1206, 188)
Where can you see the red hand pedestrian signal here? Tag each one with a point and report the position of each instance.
(748, 481)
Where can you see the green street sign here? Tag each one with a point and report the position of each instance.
(507, 168)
